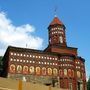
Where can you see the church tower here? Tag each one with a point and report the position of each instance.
(56, 32)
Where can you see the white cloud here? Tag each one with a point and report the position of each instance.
(17, 35)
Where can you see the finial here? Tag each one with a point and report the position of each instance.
(55, 11)
(26, 45)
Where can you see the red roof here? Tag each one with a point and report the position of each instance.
(56, 21)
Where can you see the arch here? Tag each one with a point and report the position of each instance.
(61, 72)
(69, 72)
(49, 71)
(19, 69)
(12, 68)
(61, 39)
(43, 71)
(55, 72)
(38, 70)
(78, 74)
(65, 72)
(31, 70)
(25, 69)
(72, 73)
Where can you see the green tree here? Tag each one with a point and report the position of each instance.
(88, 84)
(1, 62)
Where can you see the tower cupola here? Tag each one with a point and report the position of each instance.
(56, 32)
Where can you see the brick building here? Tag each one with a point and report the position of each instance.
(58, 64)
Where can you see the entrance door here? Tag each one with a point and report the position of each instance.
(78, 85)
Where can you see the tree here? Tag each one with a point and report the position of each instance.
(1, 63)
(88, 84)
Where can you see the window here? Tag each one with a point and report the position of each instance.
(55, 72)
(78, 62)
(39, 62)
(60, 59)
(43, 71)
(39, 56)
(48, 63)
(20, 54)
(78, 74)
(33, 56)
(61, 39)
(36, 56)
(14, 59)
(17, 60)
(11, 53)
(31, 70)
(30, 61)
(44, 62)
(56, 63)
(12, 68)
(61, 72)
(27, 55)
(24, 55)
(25, 69)
(11, 59)
(38, 70)
(42, 57)
(23, 60)
(49, 71)
(55, 58)
(19, 69)
(72, 73)
(47, 57)
(27, 61)
(65, 72)
(20, 60)
(15, 54)
(50, 58)
(30, 55)
(69, 72)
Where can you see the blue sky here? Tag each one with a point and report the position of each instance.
(37, 15)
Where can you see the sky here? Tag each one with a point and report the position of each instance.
(25, 22)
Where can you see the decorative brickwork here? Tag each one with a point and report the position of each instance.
(58, 64)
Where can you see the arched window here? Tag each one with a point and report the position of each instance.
(43, 71)
(12, 68)
(78, 74)
(31, 70)
(61, 72)
(19, 69)
(55, 72)
(49, 71)
(25, 70)
(72, 73)
(38, 70)
(65, 72)
(69, 73)
(61, 39)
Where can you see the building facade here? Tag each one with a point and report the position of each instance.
(57, 64)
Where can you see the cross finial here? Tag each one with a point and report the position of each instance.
(55, 11)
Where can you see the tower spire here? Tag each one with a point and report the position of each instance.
(57, 32)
